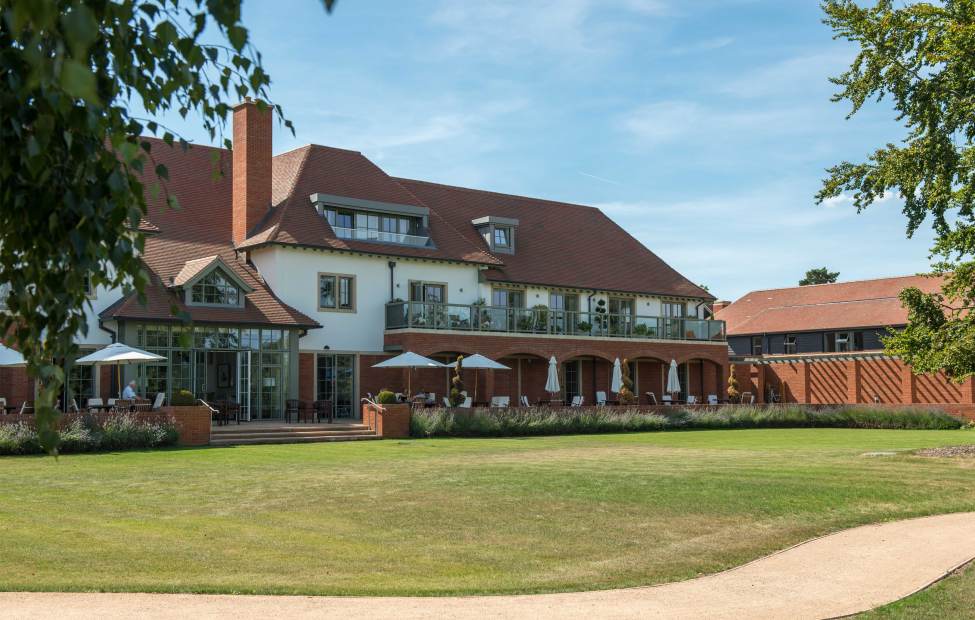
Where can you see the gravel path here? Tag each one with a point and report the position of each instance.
(840, 574)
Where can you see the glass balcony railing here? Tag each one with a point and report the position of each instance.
(423, 315)
(379, 236)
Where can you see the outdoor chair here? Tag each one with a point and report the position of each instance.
(712, 399)
(74, 406)
(446, 402)
(27, 407)
(231, 409)
(667, 400)
(306, 410)
(577, 401)
(121, 405)
(747, 398)
(112, 402)
(3, 406)
(291, 409)
(431, 398)
(323, 409)
(691, 399)
(651, 399)
(524, 401)
(158, 403)
(93, 404)
(500, 401)
(600, 398)
(467, 403)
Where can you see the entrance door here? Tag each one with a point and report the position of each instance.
(336, 383)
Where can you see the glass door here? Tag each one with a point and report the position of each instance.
(243, 384)
(336, 383)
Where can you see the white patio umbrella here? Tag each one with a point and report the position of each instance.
(11, 357)
(673, 380)
(409, 360)
(617, 382)
(477, 362)
(119, 354)
(552, 382)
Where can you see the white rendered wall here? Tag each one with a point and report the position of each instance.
(292, 274)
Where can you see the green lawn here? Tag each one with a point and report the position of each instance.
(951, 598)
(456, 515)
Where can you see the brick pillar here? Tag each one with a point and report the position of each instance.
(968, 391)
(907, 384)
(760, 383)
(853, 382)
(804, 383)
(486, 390)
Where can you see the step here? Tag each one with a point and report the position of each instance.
(284, 440)
(234, 429)
(328, 433)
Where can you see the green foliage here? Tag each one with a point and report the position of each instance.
(71, 197)
(91, 434)
(385, 397)
(921, 57)
(577, 420)
(457, 384)
(183, 398)
(820, 275)
(584, 326)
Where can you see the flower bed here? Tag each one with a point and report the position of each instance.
(583, 420)
(90, 433)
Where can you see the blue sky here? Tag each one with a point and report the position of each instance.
(703, 127)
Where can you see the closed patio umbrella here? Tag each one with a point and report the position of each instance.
(11, 357)
(478, 362)
(409, 360)
(552, 381)
(119, 354)
(617, 382)
(673, 380)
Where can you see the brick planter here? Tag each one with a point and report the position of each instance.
(389, 421)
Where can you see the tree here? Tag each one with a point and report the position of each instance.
(821, 275)
(921, 57)
(71, 198)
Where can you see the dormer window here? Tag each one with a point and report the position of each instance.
(376, 222)
(216, 290)
(498, 232)
(210, 282)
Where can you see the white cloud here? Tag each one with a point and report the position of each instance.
(790, 77)
(699, 47)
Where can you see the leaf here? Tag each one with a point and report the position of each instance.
(78, 81)
(80, 29)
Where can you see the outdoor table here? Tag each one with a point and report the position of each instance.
(8, 409)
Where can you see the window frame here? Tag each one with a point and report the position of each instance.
(761, 345)
(666, 309)
(786, 345)
(509, 290)
(200, 281)
(337, 292)
(505, 231)
(423, 284)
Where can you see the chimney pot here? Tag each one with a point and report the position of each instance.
(252, 167)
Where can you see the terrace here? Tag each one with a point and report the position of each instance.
(494, 319)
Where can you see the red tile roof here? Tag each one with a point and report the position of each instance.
(863, 303)
(558, 243)
(200, 178)
(298, 174)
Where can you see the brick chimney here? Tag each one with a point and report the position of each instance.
(252, 167)
(718, 306)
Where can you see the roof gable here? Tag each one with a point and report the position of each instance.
(195, 270)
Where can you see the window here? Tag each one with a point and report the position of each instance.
(216, 289)
(429, 292)
(756, 345)
(789, 344)
(368, 226)
(839, 342)
(673, 309)
(502, 237)
(336, 292)
(572, 385)
(4, 292)
(507, 298)
(564, 308)
(89, 287)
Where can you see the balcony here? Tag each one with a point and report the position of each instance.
(493, 319)
(379, 236)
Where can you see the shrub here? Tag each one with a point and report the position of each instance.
(385, 397)
(88, 434)
(543, 421)
(183, 398)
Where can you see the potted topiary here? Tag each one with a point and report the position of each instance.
(457, 396)
(734, 395)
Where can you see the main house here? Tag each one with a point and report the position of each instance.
(301, 271)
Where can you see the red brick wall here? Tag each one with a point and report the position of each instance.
(389, 421)
(15, 386)
(306, 376)
(192, 423)
(834, 382)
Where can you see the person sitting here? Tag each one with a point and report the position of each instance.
(129, 392)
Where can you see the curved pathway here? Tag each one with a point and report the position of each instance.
(836, 575)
